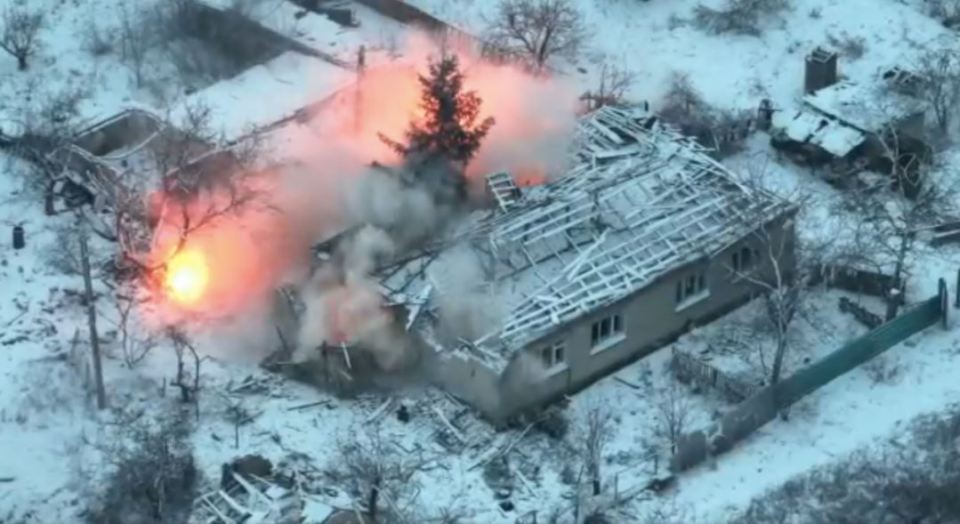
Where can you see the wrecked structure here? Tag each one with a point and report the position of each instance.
(645, 236)
(849, 127)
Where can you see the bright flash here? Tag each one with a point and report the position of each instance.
(187, 277)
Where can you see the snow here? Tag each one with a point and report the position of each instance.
(830, 135)
(268, 93)
(45, 414)
(655, 39)
(865, 105)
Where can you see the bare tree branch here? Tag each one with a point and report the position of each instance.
(18, 34)
(536, 30)
(597, 434)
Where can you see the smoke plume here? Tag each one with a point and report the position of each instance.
(331, 186)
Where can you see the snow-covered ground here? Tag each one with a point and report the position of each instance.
(53, 439)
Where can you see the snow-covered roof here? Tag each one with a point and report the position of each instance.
(642, 201)
(812, 128)
(268, 92)
(866, 106)
(316, 31)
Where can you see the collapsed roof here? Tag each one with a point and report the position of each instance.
(641, 200)
(867, 107)
(838, 118)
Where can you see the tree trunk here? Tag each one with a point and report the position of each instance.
(374, 496)
(777, 369)
(21, 62)
(778, 357)
(893, 297)
(92, 322)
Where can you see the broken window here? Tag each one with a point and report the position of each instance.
(691, 286)
(605, 329)
(744, 259)
(552, 355)
(558, 353)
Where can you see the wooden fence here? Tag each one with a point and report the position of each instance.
(690, 369)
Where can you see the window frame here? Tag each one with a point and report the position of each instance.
(691, 289)
(553, 356)
(600, 338)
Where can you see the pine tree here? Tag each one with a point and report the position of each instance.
(449, 129)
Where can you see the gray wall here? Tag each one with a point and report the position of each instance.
(465, 377)
(651, 320)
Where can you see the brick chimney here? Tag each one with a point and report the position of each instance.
(821, 70)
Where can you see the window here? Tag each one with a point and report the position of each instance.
(605, 329)
(744, 259)
(691, 287)
(553, 355)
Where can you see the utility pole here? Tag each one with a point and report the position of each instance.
(92, 320)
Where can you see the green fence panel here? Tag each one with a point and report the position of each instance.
(858, 351)
(762, 407)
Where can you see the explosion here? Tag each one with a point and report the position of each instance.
(320, 183)
(187, 277)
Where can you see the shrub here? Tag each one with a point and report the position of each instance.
(742, 17)
(153, 478)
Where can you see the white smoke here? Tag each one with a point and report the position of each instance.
(468, 307)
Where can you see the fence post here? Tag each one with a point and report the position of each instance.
(956, 302)
(944, 301)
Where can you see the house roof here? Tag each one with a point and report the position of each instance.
(820, 130)
(867, 107)
(641, 201)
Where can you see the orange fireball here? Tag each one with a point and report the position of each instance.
(187, 277)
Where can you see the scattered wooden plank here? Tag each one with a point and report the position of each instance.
(236, 506)
(484, 457)
(308, 405)
(518, 439)
(526, 483)
(625, 383)
(252, 490)
(379, 411)
(455, 431)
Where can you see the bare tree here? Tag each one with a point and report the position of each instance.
(152, 474)
(379, 475)
(89, 299)
(596, 435)
(939, 76)
(615, 83)
(238, 415)
(189, 391)
(536, 30)
(134, 346)
(774, 261)
(673, 413)
(203, 179)
(18, 35)
(136, 40)
(886, 234)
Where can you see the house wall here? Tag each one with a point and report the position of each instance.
(650, 320)
(466, 378)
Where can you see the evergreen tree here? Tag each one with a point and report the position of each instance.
(449, 130)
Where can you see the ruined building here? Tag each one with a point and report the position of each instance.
(644, 237)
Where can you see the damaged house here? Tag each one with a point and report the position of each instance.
(644, 237)
(847, 126)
